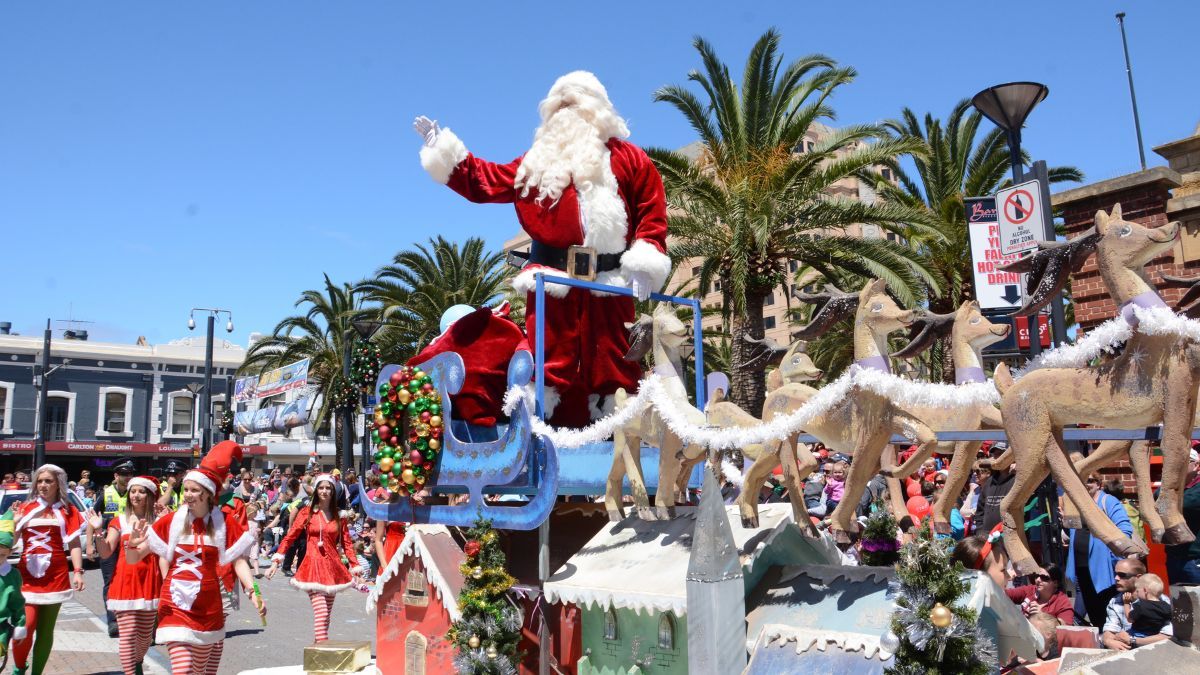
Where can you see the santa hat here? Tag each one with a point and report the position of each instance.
(59, 475)
(215, 466)
(147, 482)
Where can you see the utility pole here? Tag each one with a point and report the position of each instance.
(39, 442)
(1137, 123)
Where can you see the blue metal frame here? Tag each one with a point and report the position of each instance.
(1089, 434)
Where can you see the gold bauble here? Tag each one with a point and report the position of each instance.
(386, 464)
(941, 616)
(408, 476)
(473, 642)
(420, 480)
(422, 430)
(404, 396)
(434, 444)
(491, 652)
(435, 421)
(380, 418)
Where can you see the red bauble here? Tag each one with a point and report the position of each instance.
(435, 432)
(471, 547)
(427, 387)
(425, 416)
(385, 431)
(396, 378)
(394, 441)
(427, 466)
(413, 437)
(416, 457)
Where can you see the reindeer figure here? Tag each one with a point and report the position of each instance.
(665, 337)
(969, 332)
(1152, 381)
(786, 392)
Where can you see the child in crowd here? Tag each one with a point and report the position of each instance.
(1046, 625)
(835, 487)
(1149, 613)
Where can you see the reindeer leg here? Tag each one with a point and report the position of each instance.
(1095, 519)
(1139, 461)
(956, 480)
(748, 499)
(909, 426)
(1179, 409)
(637, 483)
(1030, 437)
(669, 468)
(1106, 453)
(794, 473)
(867, 450)
(614, 499)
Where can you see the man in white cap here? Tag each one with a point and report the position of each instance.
(594, 207)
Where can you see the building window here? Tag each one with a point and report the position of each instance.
(415, 646)
(768, 323)
(116, 409)
(886, 173)
(809, 146)
(414, 589)
(181, 409)
(666, 632)
(696, 271)
(60, 416)
(6, 407)
(793, 265)
(769, 299)
(610, 624)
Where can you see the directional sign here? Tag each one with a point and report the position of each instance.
(994, 288)
(1020, 217)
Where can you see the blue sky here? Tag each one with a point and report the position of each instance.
(159, 156)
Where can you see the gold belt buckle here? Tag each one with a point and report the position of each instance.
(581, 262)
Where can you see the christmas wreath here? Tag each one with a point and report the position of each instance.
(408, 403)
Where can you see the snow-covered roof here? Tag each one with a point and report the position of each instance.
(441, 557)
(643, 564)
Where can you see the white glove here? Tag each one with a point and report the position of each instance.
(640, 283)
(427, 128)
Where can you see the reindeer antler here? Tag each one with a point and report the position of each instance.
(927, 328)
(762, 353)
(641, 336)
(1189, 304)
(1049, 268)
(837, 305)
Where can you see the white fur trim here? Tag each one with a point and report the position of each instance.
(602, 211)
(277, 558)
(199, 478)
(239, 549)
(645, 257)
(157, 546)
(314, 587)
(54, 598)
(139, 605)
(184, 635)
(148, 484)
(20, 633)
(441, 158)
(525, 283)
(357, 569)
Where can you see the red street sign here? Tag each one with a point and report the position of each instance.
(1018, 207)
(1022, 323)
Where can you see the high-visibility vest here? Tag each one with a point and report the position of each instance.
(164, 488)
(114, 502)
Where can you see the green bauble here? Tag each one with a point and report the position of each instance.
(374, 437)
(435, 409)
(376, 457)
(414, 386)
(384, 389)
(418, 470)
(386, 407)
(426, 380)
(412, 408)
(387, 452)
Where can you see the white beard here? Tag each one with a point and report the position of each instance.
(567, 148)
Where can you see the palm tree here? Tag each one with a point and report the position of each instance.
(952, 164)
(752, 202)
(321, 334)
(422, 283)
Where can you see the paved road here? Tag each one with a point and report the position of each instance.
(82, 646)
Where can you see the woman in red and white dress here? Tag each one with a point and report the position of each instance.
(49, 528)
(322, 574)
(133, 595)
(191, 544)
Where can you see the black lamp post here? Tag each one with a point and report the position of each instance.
(366, 329)
(195, 388)
(206, 405)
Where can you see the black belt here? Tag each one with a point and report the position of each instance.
(585, 259)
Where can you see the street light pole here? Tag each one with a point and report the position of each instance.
(206, 401)
(1137, 123)
(347, 413)
(39, 442)
(366, 330)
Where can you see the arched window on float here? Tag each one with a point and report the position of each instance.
(666, 631)
(610, 624)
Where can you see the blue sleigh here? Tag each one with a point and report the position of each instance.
(526, 470)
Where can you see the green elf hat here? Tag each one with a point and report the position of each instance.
(6, 529)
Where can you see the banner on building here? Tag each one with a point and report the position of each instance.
(244, 389)
(287, 378)
(277, 418)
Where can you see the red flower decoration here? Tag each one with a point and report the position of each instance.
(471, 548)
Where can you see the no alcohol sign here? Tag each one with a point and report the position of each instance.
(1020, 217)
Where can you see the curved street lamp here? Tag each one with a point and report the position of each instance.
(1007, 106)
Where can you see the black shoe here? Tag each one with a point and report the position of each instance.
(112, 630)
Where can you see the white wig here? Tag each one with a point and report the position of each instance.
(59, 475)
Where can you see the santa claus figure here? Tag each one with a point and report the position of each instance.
(594, 207)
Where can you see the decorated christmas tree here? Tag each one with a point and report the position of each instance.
(930, 632)
(879, 546)
(487, 635)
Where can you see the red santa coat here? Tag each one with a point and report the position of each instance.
(46, 532)
(135, 586)
(486, 341)
(322, 570)
(625, 213)
(189, 609)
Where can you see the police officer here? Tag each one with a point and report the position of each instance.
(172, 484)
(113, 499)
